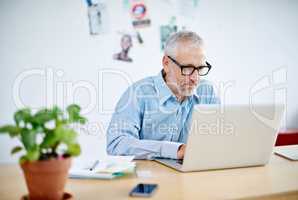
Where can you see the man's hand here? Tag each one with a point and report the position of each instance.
(180, 152)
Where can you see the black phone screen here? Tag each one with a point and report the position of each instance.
(143, 189)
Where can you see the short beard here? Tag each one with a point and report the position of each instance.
(186, 92)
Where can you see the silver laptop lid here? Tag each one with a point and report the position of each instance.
(231, 136)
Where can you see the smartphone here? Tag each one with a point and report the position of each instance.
(143, 190)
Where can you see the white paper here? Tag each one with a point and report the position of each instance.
(107, 167)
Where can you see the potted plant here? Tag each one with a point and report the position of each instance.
(48, 142)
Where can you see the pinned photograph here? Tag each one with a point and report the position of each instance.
(166, 31)
(139, 15)
(97, 15)
(126, 44)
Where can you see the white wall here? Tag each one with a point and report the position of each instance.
(248, 43)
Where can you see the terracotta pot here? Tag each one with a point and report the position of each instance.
(46, 179)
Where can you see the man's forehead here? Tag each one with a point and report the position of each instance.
(191, 54)
(188, 47)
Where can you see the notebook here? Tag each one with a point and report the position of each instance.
(107, 168)
(290, 152)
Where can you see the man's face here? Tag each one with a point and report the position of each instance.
(192, 56)
(126, 42)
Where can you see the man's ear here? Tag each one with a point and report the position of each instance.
(165, 63)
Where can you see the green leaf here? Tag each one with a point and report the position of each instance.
(57, 112)
(22, 115)
(33, 154)
(43, 116)
(74, 149)
(28, 138)
(59, 135)
(16, 149)
(73, 108)
(50, 140)
(67, 135)
(23, 159)
(82, 120)
(74, 114)
(11, 130)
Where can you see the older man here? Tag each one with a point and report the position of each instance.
(153, 116)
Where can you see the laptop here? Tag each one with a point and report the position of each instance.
(229, 136)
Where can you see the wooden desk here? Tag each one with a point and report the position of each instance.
(277, 180)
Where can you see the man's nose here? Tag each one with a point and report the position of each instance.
(194, 76)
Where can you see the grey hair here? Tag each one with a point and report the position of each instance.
(182, 36)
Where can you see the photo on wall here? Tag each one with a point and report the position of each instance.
(97, 16)
(166, 31)
(125, 44)
(139, 14)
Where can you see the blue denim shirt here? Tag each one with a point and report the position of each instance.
(149, 122)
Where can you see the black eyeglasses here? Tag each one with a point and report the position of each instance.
(188, 70)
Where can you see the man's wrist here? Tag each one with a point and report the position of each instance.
(170, 149)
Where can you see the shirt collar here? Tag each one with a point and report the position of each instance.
(165, 93)
(195, 96)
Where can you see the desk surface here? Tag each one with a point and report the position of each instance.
(278, 178)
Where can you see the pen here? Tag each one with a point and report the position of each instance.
(94, 165)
